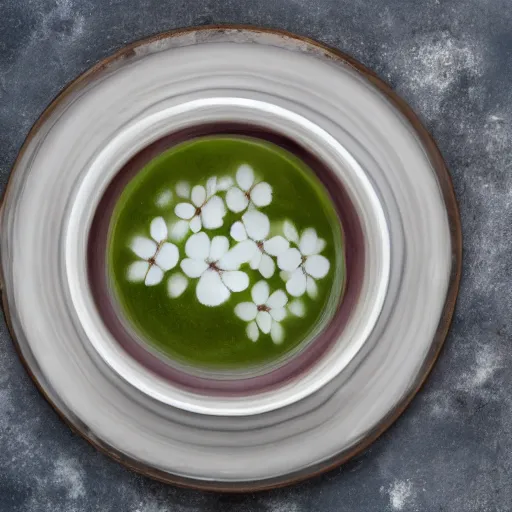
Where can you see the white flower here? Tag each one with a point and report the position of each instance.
(265, 312)
(176, 285)
(248, 192)
(216, 266)
(303, 265)
(205, 209)
(164, 199)
(252, 232)
(296, 307)
(183, 189)
(158, 255)
(224, 183)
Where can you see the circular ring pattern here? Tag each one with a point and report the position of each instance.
(240, 384)
(360, 325)
(342, 114)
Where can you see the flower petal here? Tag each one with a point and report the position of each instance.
(277, 333)
(245, 177)
(256, 224)
(247, 311)
(289, 260)
(195, 224)
(179, 230)
(158, 229)
(235, 280)
(256, 260)
(143, 247)
(184, 211)
(317, 266)
(198, 195)
(167, 256)
(297, 308)
(198, 246)
(164, 199)
(252, 331)
(284, 275)
(296, 286)
(193, 268)
(261, 194)
(320, 245)
(236, 200)
(237, 231)
(312, 287)
(276, 245)
(211, 186)
(267, 266)
(183, 189)
(278, 314)
(237, 255)
(176, 285)
(264, 321)
(277, 300)
(154, 276)
(308, 241)
(260, 292)
(137, 271)
(224, 183)
(210, 290)
(212, 213)
(219, 247)
(290, 232)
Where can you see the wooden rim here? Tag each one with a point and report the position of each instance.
(452, 210)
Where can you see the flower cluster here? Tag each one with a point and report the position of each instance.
(218, 262)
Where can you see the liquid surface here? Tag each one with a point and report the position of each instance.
(226, 252)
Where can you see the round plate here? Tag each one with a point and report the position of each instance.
(402, 239)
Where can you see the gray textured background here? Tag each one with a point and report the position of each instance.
(452, 60)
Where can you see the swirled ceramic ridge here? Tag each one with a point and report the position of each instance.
(393, 175)
(190, 113)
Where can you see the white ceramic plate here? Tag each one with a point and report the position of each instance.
(339, 112)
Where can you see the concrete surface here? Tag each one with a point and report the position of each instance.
(451, 60)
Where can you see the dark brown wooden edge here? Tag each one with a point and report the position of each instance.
(446, 185)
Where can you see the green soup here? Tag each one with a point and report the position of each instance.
(226, 252)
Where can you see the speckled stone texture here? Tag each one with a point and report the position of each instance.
(450, 59)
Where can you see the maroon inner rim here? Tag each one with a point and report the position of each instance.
(98, 279)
